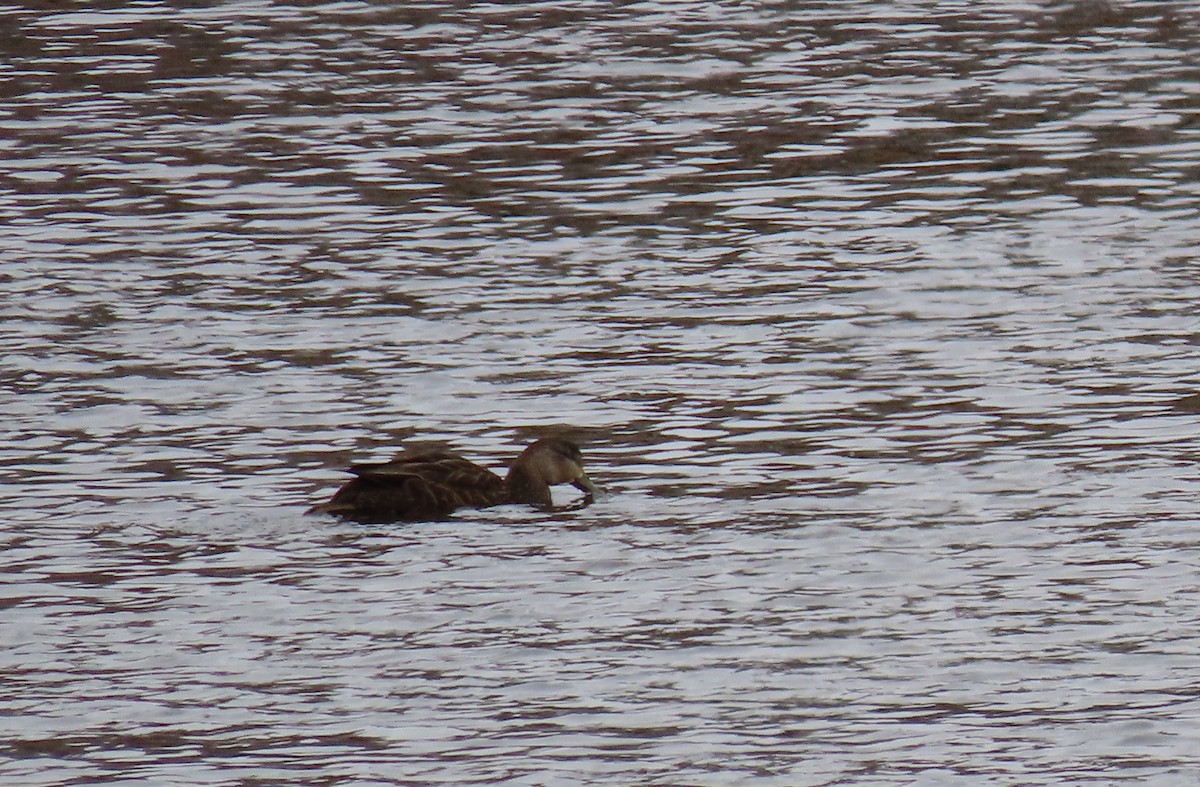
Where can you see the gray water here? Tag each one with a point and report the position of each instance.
(872, 318)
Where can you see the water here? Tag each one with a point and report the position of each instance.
(871, 317)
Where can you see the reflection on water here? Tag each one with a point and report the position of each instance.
(871, 316)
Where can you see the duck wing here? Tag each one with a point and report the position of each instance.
(415, 486)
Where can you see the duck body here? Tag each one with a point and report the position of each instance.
(420, 485)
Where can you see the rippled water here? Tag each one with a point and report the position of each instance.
(873, 318)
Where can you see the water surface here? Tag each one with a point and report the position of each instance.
(873, 318)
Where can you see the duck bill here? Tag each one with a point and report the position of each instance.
(584, 484)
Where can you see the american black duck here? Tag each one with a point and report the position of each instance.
(420, 485)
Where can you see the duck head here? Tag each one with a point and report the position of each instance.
(543, 464)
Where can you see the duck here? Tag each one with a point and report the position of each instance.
(433, 484)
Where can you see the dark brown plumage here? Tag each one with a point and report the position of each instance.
(433, 484)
